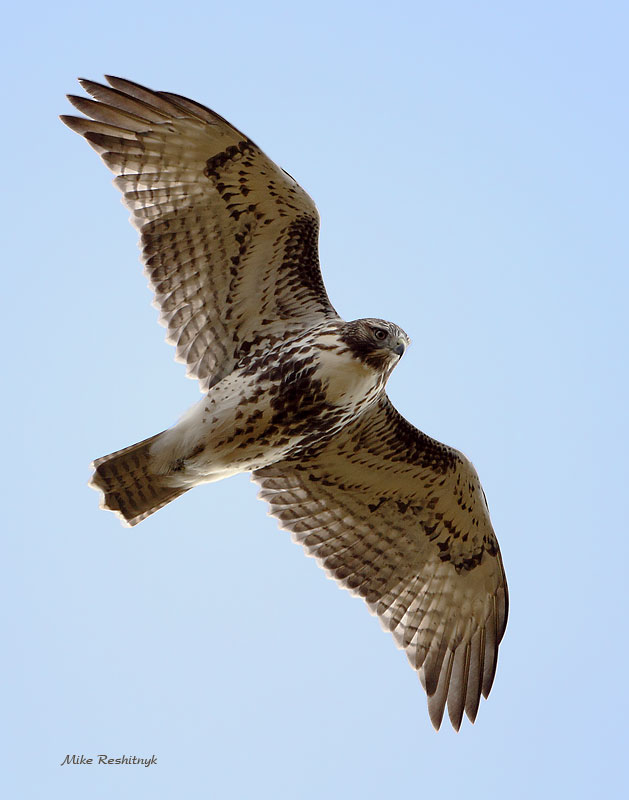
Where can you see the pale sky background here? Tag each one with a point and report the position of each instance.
(469, 161)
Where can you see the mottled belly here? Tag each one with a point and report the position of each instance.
(254, 418)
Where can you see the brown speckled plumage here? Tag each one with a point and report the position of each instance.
(292, 392)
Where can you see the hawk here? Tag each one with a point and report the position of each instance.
(293, 393)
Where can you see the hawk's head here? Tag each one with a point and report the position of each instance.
(378, 343)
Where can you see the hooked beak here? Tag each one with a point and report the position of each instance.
(400, 347)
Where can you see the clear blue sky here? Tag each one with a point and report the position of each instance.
(469, 161)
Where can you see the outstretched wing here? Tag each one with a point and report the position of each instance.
(401, 520)
(229, 240)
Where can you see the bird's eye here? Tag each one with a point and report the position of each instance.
(380, 334)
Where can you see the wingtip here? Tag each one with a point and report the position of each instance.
(76, 124)
(115, 81)
(435, 712)
(78, 102)
(487, 685)
(436, 723)
(456, 716)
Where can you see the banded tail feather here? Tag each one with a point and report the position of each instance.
(129, 487)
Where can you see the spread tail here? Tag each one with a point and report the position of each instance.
(128, 486)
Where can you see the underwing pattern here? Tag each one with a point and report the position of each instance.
(291, 392)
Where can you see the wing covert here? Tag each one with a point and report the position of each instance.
(229, 240)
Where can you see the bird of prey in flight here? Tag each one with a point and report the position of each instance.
(293, 393)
